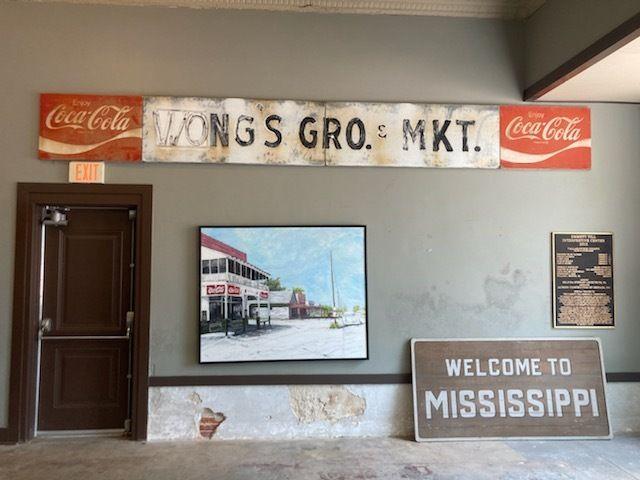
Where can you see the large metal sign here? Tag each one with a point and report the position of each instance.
(90, 127)
(233, 130)
(582, 280)
(286, 132)
(543, 137)
(508, 388)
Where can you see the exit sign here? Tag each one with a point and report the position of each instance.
(86, 172)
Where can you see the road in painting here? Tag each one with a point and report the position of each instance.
(282, 293)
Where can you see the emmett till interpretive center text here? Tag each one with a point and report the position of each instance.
(583, 280)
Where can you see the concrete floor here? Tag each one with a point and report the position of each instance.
(344, 459)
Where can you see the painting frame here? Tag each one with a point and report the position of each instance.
(199, 230)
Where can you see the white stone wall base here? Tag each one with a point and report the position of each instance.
(314, 411)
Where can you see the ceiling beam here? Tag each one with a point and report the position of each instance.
(500, 9)
(601, 48)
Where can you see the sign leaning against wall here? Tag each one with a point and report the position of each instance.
(467, 389)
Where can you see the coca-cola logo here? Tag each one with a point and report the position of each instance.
(215, 289)
(556, 129)
(105, 117)
(233, 290)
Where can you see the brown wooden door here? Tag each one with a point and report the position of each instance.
(86, 294)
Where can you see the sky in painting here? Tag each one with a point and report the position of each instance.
(300, 257)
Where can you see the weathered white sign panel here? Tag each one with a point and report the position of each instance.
(239, 131)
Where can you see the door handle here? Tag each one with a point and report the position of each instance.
(45, 326)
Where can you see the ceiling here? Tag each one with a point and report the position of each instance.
(615, 78)
(503, 9)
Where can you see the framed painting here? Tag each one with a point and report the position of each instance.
(278, 293)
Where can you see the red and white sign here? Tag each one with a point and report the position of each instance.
(545, 137)
(90, 127)
(233, 290)
(86, 172)
(215, 289)
(264, 294)
(219, 289)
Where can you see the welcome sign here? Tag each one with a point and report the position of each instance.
(499, 388)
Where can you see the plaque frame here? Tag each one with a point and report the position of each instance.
(554, 317)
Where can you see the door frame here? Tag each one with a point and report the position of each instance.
(22, 387)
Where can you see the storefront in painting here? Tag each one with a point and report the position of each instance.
(231, 288)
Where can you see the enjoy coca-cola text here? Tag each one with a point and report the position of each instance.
(557, 128)
(105, 117)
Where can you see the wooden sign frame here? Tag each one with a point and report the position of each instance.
(554, 311)
(493, 438)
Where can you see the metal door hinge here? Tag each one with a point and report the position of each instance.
(130, 317)
(56, 217)
(44, 327)
(127, 425)
(133, 214)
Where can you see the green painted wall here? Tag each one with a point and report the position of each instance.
(450, 253)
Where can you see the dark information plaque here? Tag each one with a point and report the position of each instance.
(582, 280)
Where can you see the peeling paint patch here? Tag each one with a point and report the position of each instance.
(195, 398)
(503, 302)
(209, 422)
(324, 403)
(502, 293)
(259, 412)
(155, 401)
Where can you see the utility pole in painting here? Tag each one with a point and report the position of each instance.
(333, 288)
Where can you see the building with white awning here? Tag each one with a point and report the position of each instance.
(231, 288)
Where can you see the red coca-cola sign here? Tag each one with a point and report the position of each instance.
(90, 127)
(233, 290)
(545, 137)
(215, 289)
(264, 294)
